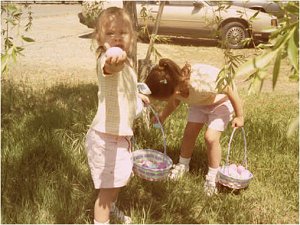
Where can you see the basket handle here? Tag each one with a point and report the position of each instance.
(161, 128)
(245, 147)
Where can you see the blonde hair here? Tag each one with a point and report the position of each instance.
(106, 16)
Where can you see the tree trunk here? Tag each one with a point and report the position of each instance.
(130, 7)
(144, 65)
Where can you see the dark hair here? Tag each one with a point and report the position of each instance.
(165, 77)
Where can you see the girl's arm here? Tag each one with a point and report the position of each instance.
(172, 104)
(236, 102)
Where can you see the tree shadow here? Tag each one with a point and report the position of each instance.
(87, 36)
(196, 42)
(38, 166)
(184, 41)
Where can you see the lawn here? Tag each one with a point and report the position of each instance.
(45, 176)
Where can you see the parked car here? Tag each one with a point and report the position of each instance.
(270, 7)
(202, 19)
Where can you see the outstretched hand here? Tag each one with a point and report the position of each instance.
(116, 58)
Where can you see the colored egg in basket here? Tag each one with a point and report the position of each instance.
(234, 176)
(151, 165)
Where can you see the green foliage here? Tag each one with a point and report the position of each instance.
(231, 61)
(147, 17)
(226, 75)
(146, 35)
(284, 44)
(90, 12)
(13, 31)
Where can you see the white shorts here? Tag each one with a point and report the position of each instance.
(216, 116)
(109, 159)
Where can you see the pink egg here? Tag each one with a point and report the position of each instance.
(240, 169)
(233, 173)
(233, 167)
(162, 165)
(113, 51)
(225, 170)
(245, 174)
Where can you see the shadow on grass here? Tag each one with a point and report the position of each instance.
(42, 179)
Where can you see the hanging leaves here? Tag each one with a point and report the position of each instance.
(285, 45)
(276, 68)
(256, 63)
(11, 15)
(292, 50)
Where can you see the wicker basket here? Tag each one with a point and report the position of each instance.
(162, 163)
(157, 158)
(233, 182)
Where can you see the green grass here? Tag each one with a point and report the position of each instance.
(45, 176)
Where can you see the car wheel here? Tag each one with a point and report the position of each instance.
(232, 35)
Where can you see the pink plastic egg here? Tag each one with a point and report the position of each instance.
(240, 169)
(245, 174)
(233, 173)
(162, 165)
(113, 51)
(232, 167)
(225, 170)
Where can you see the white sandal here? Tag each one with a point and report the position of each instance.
(210, 187)
(178, 171)
(115, 211)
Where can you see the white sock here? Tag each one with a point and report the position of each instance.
(212, 172)
(184, 161)
(96, 222)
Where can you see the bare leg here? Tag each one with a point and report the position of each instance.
(189, 139)
(103, 203)
(212, 139)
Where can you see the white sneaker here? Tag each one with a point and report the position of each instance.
(120, 215)
(210, 186)
(178, 171)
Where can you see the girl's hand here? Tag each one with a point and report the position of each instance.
(145, 99)
(238, 121)
(115, 60)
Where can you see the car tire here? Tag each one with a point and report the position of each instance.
(232, 35)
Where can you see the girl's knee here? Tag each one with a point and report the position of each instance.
(212, 137)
